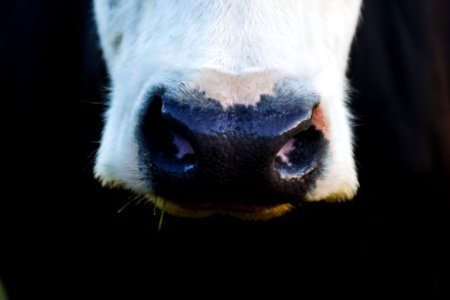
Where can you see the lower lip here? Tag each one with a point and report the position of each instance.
(231, 207)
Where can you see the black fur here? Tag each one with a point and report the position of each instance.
(391, 241)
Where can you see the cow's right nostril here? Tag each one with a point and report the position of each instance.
(169, 149)
(300, 155)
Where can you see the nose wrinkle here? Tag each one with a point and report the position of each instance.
(206, 116)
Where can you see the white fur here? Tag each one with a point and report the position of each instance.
(152, 42)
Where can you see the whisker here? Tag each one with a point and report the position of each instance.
(91, 160)
(93, 103)
(136, 200)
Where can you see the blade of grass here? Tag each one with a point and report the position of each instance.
(131, 200)
(161, 217)
(120, 210)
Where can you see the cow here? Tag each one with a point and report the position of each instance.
(228, 107)
(390, 240)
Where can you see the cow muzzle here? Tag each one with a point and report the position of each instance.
(202, 155)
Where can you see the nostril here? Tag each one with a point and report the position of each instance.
(285, 151)
(300, 155)
(184, 151)
(166, 147)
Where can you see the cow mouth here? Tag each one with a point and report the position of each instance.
(237, 210)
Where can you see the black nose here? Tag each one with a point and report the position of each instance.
(194, 150)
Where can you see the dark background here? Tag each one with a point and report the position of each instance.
(61, 236)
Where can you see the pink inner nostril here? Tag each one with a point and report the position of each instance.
(183, 146)
(283, 154)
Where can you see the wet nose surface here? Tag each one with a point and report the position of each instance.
(195, 150)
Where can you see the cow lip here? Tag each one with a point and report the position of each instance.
(228, 207)
(243, 211)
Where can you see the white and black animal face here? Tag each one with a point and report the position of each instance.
(234, 107)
